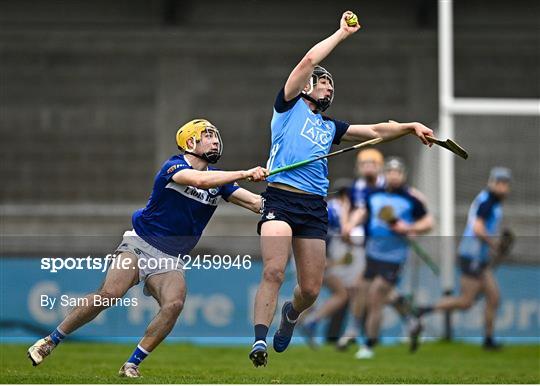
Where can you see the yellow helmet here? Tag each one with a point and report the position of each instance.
(194, 129)
(373, 155)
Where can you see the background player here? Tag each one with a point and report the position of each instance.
(369, 176)
(344, 262)
(393, 213)
(295, 210)
(369, 167)
(185, 194)
(479, 245)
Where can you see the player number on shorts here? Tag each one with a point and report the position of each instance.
(226, 262)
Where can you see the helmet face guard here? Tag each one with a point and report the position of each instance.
(211, 156)
(396, 163)
(321, 103)
(195, 130)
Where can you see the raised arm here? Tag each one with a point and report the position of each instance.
(300, 75)
(246, 199)
(388, 131)
(213, 178)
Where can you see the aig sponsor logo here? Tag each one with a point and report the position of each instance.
(317, 132)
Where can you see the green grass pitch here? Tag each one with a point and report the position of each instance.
(184, 363)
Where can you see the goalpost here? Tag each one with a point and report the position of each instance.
(450, 107)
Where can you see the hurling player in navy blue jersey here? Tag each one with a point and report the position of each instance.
(185, 194)
(477, 249)
(295, 211)
(369, 166)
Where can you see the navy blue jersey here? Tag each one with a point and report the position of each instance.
(176, 215)
(334, 214)
(334, 208)
(487, 207)
(381, 242)
(360, 189)
(299, 134)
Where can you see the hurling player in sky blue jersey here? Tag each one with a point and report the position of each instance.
(393, 213)
(478, 246)
(185, 194)
(295, 211)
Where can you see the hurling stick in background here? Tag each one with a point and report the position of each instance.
(387, 215)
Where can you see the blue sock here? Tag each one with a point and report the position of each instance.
(57, 336)
(138, 355)
(371, 342)
(260, 332)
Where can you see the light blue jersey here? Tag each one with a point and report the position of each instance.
(382, 243)
(487, 207)
(299, 134)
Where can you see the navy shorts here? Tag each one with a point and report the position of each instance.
(305, 213)
(388, 271)
(472, 267)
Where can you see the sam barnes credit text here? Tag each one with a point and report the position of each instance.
(69, 301)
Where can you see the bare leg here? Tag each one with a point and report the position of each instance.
(357, 310)
(276, 247)
(491, 291)
(334, 303)
(377, 295)
(470, 287)
(169, 289)
(397, 301)
(310, 258)
(116, 283)
(360, 299)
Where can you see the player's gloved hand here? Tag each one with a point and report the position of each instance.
(401, 227)
(506, 242)
(343, 26)
(256, 174)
